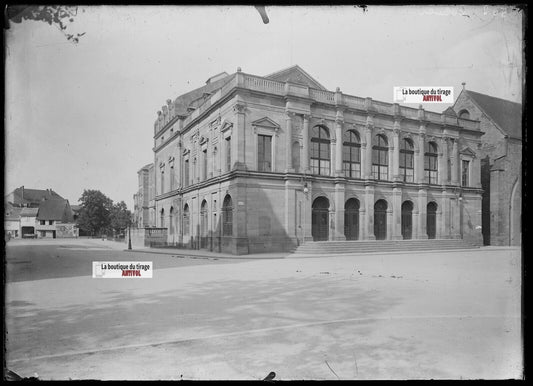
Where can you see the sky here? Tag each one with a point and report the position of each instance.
(80, 116)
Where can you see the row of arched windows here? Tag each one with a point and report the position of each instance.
(227, 218)
(320, 156)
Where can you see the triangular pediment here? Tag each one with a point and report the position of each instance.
(468, 151)
(297, 75)
(265, 122)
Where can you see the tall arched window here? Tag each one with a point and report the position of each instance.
(171, 221)
(380, 158)
(320, 151)
(406, 160)
(186, 220)
(351, 154)
(162, 217)
(227, 216)
(430, 162)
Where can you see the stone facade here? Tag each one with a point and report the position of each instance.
(501, 154)
(267, 163)
(143, 209)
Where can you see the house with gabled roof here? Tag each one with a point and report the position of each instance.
(55, 219)
(501, 163)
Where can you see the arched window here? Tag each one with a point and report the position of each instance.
(320, 151)
(171, 221)
(162, 217)
(406, 160)
(430, 162)
(351, 154)
(464, 114)
(227, 216)
(380, 158)
(186, 220)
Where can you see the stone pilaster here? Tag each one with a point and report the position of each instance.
(288, 149)
(238, 145)
(396, 213)
(305, 140)
(369, 209)
(422, 214)
(396, 152)
(339, 120)
(368, 151)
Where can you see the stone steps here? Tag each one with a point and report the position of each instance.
(366, 246)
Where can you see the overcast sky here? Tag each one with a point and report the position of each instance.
(80, 116)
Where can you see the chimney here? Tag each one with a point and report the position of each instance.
(464, 85)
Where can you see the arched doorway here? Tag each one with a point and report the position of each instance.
(320, 219)
(203, 225)
(380, 220)
(407, 220)
(351, 219)
(431, 222)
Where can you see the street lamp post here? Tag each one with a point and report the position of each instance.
(129, 236)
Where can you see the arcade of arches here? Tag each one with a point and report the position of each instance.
(378, 224)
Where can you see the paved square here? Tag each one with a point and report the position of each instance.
(434, 315)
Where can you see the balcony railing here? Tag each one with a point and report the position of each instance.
(256, 83)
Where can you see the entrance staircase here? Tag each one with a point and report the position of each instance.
(368, 246)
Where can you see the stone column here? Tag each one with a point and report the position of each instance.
(368, 152)
(389, 224)
(396, 154)
(392, 149)
(420, 161)
(455, 162)
(443, 164)
(397, 214)
(339, 212)
(275, 144)
(238, 139)
(338, 146)
(369, 209)
(362, 222)
(179, 165)
(305, 140)
(438, 224)
(422, 214)
(445, 217)
(288, 148)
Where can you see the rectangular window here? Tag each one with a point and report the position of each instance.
(50, 222)
(186, 173)
(43, 222)
(464, 175)
(228, 154)
(162, 182)
(264, 153)
(172, 177)
(204, 164)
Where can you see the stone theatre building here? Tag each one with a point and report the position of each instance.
(249, 164)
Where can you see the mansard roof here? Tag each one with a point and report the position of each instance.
(194, 98)
(295, 74)
(505, 114)
(25, 196)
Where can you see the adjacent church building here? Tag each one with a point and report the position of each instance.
(249, 164)
(501, 163)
